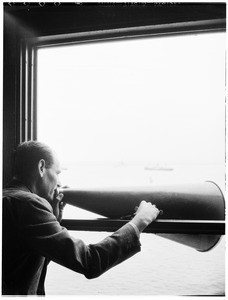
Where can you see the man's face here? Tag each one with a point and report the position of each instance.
(50, 180)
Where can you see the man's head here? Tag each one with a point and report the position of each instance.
(36, 163)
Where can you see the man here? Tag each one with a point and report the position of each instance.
(32, 234)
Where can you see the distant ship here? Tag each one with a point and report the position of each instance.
(157, 168)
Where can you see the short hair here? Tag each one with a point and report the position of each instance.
(27, 155)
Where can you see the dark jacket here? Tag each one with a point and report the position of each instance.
(32, 236)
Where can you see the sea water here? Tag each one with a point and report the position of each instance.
(162, 267)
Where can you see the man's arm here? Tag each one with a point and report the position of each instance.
(43, 234)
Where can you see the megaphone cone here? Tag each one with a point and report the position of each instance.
(181, 202)
(200, 242)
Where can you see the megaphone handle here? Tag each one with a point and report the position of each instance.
(129, 217)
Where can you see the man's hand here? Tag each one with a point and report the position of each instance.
(58, 206)
(145, 214)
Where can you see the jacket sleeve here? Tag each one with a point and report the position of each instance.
(44, 235)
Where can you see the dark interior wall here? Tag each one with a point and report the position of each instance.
(11, 72)
(66, 18)
(24, 20)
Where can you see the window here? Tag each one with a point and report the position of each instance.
(119, 112)
(139, 112)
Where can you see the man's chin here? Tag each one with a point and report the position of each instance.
(50, 198)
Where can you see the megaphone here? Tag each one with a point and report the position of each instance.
(179, 203)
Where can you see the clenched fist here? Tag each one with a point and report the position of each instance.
(145, 214)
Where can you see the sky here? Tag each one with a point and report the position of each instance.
(142, 100)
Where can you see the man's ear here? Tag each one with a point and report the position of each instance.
(41, 167)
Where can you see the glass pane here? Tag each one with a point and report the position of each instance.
(136, 112)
